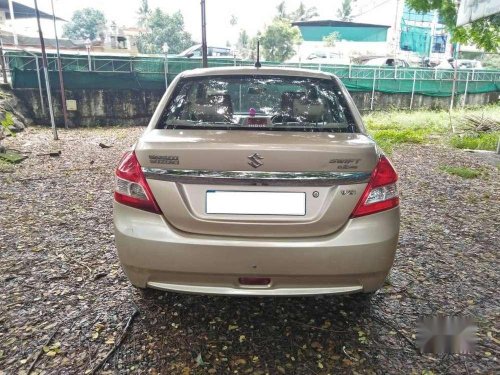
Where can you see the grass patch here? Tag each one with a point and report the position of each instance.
(6, 167)
(393, 128)
(483, 141)
(388, 138)
(12, 157)
(463, 172)
(389, 129)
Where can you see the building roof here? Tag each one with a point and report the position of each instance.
(23, 11)
(29, 41)
(336, 24)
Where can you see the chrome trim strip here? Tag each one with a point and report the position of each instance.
(226, 290)
(256, 178)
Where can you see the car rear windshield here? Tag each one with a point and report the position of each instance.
(258, 102)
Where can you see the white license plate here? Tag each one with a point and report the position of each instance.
(255, 203)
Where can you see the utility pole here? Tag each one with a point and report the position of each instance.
(433, 31)
(397, 23)
(204, 35)
(13, 26)
(2, 62)
(46, 72)
(59, 68)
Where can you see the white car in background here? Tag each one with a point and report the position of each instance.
(461, 64)
(326, 57)
(217, 52)
(387, 62)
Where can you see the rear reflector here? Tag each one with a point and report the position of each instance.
(131, 188)
(254, 280)
(381, 193)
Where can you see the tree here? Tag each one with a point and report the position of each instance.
(331, 39)
(164, 28)
(243, 40)
(303, 13)
(243, 45)
(234, 20)
(87, 23)
(281, 8)
(278, 40)
(344, 13)
(143, 13)
(485, 32)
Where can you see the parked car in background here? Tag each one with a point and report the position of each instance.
(387, 61)
(327, 57)
(259, 182)
(461, 64)
(195, 52)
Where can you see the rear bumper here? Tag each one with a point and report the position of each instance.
(356, 258)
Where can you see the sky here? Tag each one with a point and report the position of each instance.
(252, 15)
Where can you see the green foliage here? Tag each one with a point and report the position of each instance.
(389, 129)
(164, 28)
(143, 13)
(344, 13)
(388, 138)
(302, 13)
(7, 122)
(397, 127)
(278, 40)
(482, 141)
(87, 23)
(491, 61)
(485, 32)
(243, 40)
(331, 39)
(463, 172)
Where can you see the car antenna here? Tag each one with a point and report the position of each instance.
(257, 63)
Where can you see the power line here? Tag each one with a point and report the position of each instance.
(373, 8)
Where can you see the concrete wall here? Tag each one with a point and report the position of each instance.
(135, 107)
(94, 107)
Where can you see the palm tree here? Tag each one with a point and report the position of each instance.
(304, 14)
(143, 12)
(282, 10)
(344, 13)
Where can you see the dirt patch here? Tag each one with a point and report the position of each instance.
(59, 275)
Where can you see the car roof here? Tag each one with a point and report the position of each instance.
(251, 71)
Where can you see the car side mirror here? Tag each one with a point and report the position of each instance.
(190, 54)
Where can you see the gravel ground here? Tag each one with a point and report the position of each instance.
(64, 301)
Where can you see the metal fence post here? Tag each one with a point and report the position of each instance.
(39, 80)
(165, 69)
(413, 88)
(465, 91)
(373, 88)
(350, 67)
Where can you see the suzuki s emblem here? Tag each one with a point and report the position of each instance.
(255, 160)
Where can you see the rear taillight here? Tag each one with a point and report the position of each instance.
(131, 187)
(381, 193)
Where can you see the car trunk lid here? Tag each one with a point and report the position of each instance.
(328, 171)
